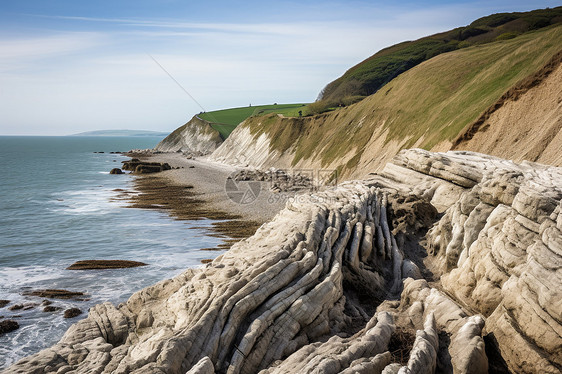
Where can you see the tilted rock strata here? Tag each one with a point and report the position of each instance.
(196, 136)
(307, 291)
(505, 255)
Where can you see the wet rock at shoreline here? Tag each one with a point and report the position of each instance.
(140, 153)
(116, 171)
(54, 294)
(16, 307)
(3, 303)
(72, 312)
(104, 264)
(50, 308)
(8, 325)
(143, 167)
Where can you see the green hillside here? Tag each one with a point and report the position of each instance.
(226, 120)
(428, 105)
(370, 75)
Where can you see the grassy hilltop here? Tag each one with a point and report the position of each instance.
(370, 75)
(226, 120)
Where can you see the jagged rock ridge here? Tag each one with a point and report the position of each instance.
(336, 279)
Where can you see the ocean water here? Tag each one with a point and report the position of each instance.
(58, 205)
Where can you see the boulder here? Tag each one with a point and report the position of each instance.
(143, 167)
(8, 325)
(72, 312)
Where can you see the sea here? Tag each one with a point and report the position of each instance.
(59, 205)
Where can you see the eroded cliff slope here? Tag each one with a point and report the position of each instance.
(443, 262)
(428, 107)
(525, 123)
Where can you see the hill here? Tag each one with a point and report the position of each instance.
(234, 116)
(206, 131)
(427, 106)
(226, 120)
(370, 75)
(196, 136)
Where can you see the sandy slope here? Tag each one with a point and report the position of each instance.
(524, 126)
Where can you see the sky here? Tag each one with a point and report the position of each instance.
(68, 66)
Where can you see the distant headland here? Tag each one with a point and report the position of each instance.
(121, 133)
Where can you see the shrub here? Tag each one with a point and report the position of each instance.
(507, 35)
(320, 106)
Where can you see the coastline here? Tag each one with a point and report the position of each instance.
(332, 279)
(195, 189)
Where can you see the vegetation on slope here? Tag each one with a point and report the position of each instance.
(226, 120)
(370, 75)
(425, 106)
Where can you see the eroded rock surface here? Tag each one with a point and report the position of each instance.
(460, 250)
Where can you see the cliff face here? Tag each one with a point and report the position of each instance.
(525, 123)
(427, 107)
(196, 136)
(353, 279)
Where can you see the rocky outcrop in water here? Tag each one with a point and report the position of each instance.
(104, 264)
(440, 263)
(144, 167)
(8, 325)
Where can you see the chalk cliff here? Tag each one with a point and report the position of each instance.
(196, 136)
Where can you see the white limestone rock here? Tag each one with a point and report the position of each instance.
(325, 286)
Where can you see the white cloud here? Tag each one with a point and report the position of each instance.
(25, 50)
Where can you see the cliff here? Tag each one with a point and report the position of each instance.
(444, 262)
(429, 106)
(196, 136)
(525, 123)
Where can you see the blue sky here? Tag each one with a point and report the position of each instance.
(68, 66)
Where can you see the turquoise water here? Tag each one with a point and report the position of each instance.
(58, 206)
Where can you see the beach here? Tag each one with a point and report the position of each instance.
(197, 188)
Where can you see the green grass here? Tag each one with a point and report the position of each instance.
(234, 116)
(369, 76)
(223, 129)
(226, 120)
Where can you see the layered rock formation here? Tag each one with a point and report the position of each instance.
(196, 136)
(335, 283)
